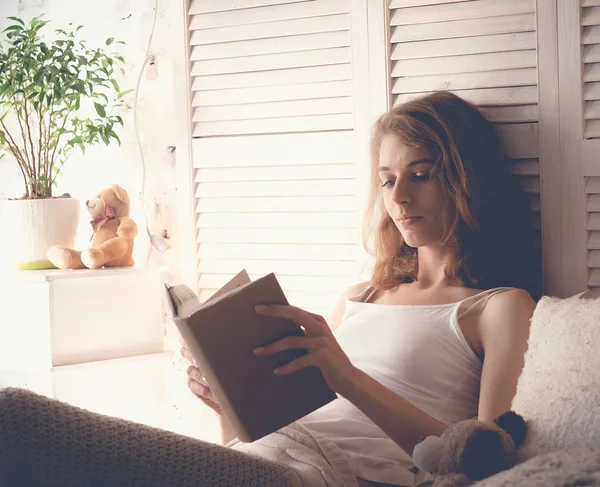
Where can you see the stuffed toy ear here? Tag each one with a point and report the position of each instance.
(427, 453)
(514, 425)
(484, 455)
(120, 193)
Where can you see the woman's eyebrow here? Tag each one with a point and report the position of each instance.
(410, 164)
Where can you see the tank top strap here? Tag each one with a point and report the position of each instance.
(367, 294)
(478, 301)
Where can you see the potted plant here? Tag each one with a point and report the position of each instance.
(56, 96)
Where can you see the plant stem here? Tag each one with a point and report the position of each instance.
(36, 164)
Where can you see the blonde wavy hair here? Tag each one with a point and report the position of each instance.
(489, 232)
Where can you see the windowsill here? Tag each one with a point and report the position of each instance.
(48, 275)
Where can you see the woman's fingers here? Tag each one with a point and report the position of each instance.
(195, 373)
(186, 354)
(312, 323)
(299, 363)
(287, 343)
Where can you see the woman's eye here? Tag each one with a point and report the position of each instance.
(421, 176)
(388, 183)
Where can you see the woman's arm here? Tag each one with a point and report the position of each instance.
(504, 332)
(504, 337)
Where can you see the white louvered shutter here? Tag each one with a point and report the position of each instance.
(273, 147)
(579, 69)
(483, 51)
(590, 40)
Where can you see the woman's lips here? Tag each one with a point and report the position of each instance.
(410, 220)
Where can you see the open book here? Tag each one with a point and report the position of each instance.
(222, 334)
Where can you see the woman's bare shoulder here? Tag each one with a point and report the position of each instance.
(335, 316)
(508, 310)
(356, 289)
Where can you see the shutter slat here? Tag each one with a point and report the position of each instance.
(592, 110)
(530, 184)
(239, 96)
(594, 277)
(591, 73)
(591, 54)
(279, 220)
(592, 129)
(328, 236)
(466, 81)
(314, 25)
(291, 283)
(590, 35)
(308, 42)
(245, 16)
(278, 251)
(465, 64)
(593, 242)
(209, 6)
(280, 173)
(591, 91)
(525, 167)
(273, 110)
(337, 72)
(593, 203)
(591, 16)
(520, 141)
(311, 123)
(316, 57)
(593, 222)
(524, 95)
(594, 259)
(590, 3)
(465, 45)
(507, 114)
(241, 189)
(275, 204)
(463, 28)
(275, 150)
(417, 3)
(279, 267)
(460, 11)
(592, 186)
(590, 40)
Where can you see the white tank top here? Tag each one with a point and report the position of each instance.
(417, 351)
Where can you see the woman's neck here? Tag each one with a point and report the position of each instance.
(432, 261)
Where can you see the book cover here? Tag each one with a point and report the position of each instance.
(222, 334)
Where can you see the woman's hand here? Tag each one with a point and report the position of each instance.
(324, 351)
(196, 381)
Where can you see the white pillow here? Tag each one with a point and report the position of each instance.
(558, 392)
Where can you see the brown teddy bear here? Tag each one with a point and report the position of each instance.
(112, 240)
(470, 450)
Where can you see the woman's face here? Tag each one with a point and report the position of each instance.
(413, 200)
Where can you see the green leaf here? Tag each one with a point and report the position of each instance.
(110, 40)
(13, 28)
(76, 140)
(123, 93)
(116, 85)
(17, 19)
(100, 110)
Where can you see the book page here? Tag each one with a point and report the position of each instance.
(239, 280)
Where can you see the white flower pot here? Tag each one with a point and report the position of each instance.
(31, 227)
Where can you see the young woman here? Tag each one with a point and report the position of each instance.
(437, 335)
(440, 332)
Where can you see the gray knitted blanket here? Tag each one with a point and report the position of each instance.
(47, 443)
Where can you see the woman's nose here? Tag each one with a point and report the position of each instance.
(402, 193)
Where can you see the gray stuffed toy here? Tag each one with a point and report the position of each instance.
(470, 450)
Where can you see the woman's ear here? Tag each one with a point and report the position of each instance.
(120, 193)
